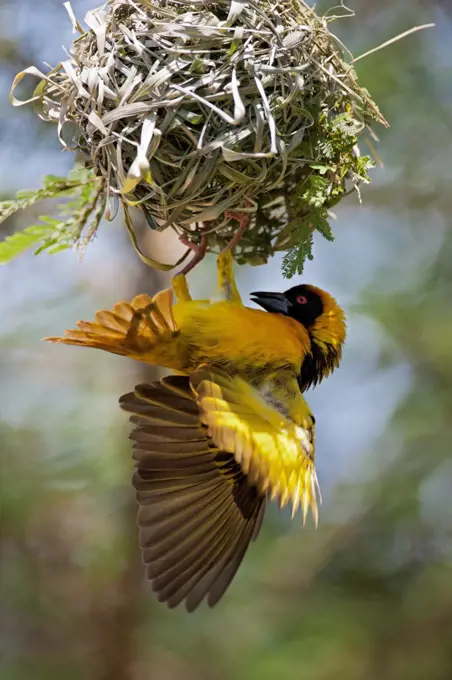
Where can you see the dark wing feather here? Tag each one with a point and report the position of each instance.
(197, 513)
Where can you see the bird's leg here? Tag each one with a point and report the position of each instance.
(243, 218)
(180, 288)
(198, 250)
(226, 279)
(225, 275)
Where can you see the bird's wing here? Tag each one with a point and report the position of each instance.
(197, 513)
(275, 453)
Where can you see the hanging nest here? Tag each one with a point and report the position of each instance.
(189, 108)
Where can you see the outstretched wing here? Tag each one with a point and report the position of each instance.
(197, 513)
(275, 453)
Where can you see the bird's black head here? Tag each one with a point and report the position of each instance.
(324, 321)
(301, 303)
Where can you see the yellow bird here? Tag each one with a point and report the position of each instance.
(230, 430)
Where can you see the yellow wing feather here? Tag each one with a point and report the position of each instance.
(275, 453)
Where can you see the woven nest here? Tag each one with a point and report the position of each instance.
(190, 108)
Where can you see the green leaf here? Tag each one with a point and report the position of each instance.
(56, 249)
(76, 220)
(302, 240)
(51, 180)
(294, 260)
(53, 186)
(324, 228)
(18, 243)
(322, 169)
(80, 174)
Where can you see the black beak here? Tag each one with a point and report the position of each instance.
(272, 302)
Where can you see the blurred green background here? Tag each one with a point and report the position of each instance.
(368, 595)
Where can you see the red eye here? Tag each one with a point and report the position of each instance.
(302, 300)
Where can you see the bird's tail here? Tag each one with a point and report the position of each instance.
(144, 329)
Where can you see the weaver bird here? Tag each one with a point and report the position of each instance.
(212, 443)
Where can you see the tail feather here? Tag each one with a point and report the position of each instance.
(133, 328)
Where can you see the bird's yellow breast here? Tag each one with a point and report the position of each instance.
(243, 336)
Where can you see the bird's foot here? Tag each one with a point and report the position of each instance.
(199, 251)
(243, 218)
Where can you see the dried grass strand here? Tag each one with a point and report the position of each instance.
(189, 108)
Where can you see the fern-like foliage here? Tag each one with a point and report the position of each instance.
(76, 220)
(295, 258)
(336, 171)
(21, 241)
